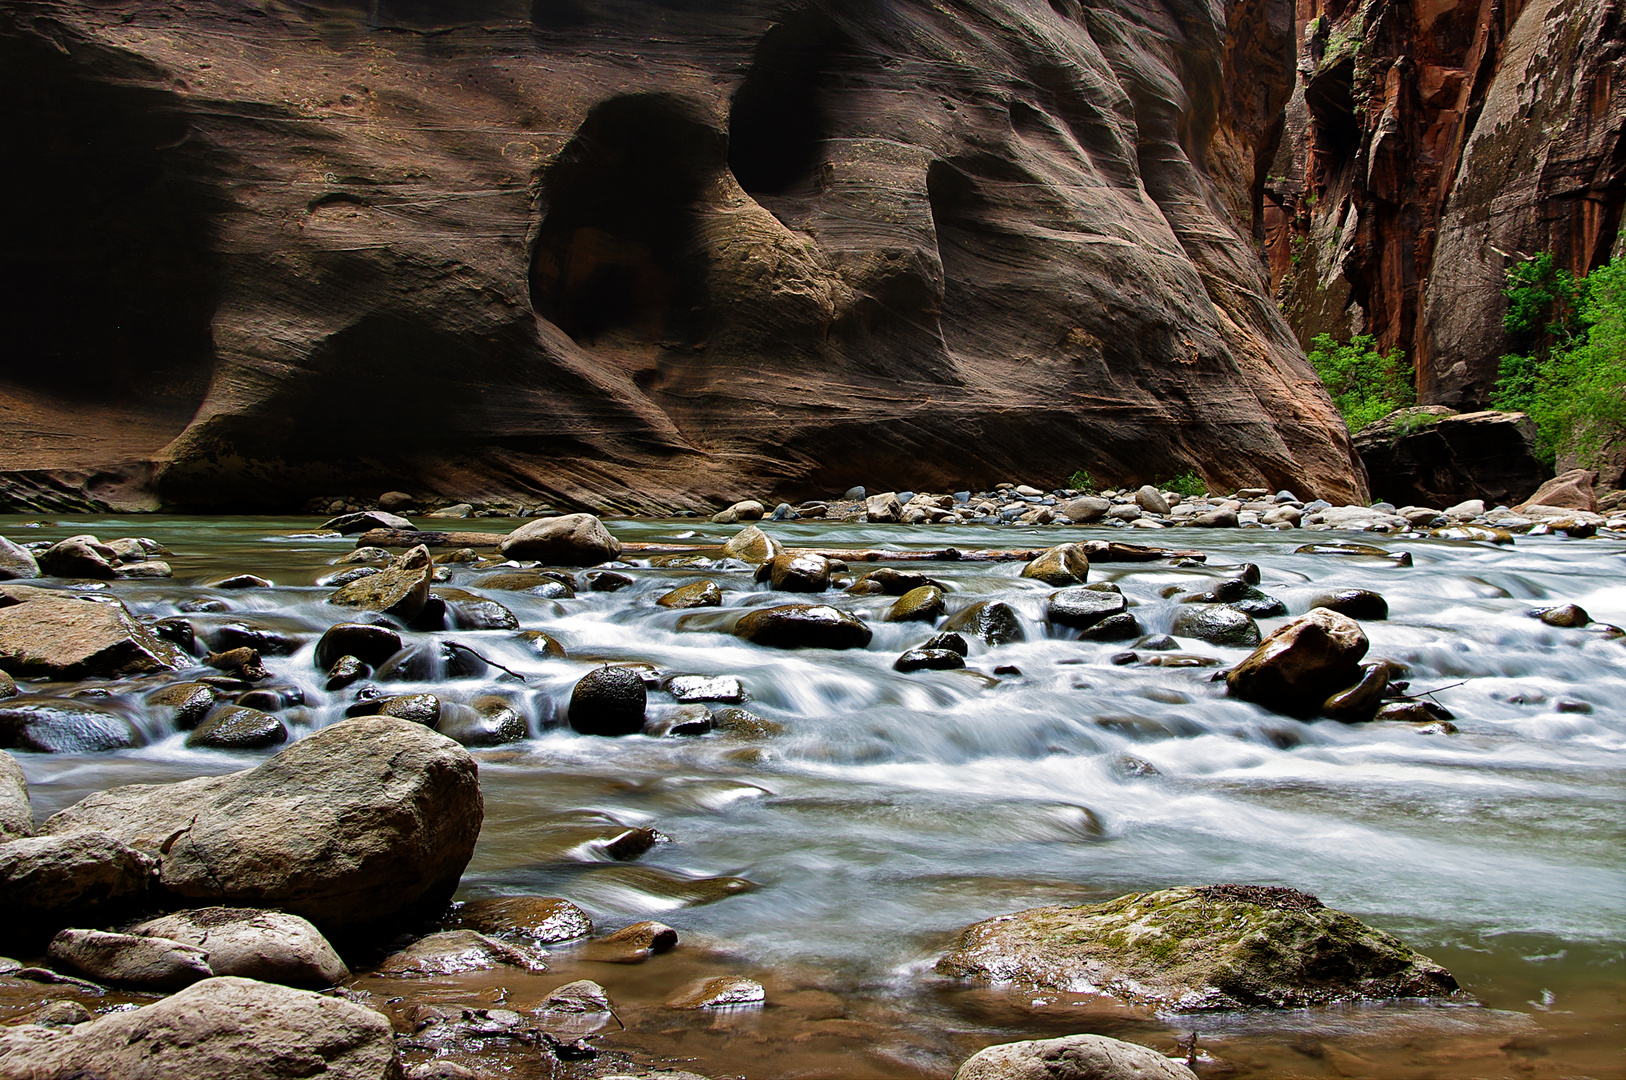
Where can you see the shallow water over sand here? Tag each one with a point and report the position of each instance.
(895, 809)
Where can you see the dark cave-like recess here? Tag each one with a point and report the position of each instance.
(618, 249)
(112, 276)
(779, 122)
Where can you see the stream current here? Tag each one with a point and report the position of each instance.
(894, 809)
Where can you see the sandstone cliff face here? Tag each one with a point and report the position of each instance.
(1431, 143)
(644, 252)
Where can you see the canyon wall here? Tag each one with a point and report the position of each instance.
(1431, 144)
(643, 253)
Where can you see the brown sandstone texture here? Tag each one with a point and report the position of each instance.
(618, 253)
(1431, 143)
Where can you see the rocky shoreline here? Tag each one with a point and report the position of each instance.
(269, 892)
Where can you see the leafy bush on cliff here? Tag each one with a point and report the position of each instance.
(1571, 375)
(1365, 384)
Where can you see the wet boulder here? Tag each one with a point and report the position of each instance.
(183, 705)
(544, 919)
(415, 708)
(543, 583)
(367, 521)
(928, 660)
(569, 540)
(451, 952)
(48, 725)
(79, 557)
(803, 626)
(993, 621)
(924, 604)
(1355, 603)
(752, 545)
(148, 963)
(432, 661)
(271, 946)
(543, 644)
(608, 701)
(346, 671)
(1217, 624)
(238, 727)
(890, 582)
(1064, 564)
(744, 510)
(632, 944)
(217, 1029)
(1074, 1057)
(16, 562)
(1360, 702)
(693, 595)
(1565, 616)
(664, 721)
(372, 645)
(800, 571)
(1216, 947)
(48, 882)
(1082, 607)
(400, 590)
(57, 636)
(469, 611)
(948, 640)
(16, 812)
(725, 991)
(487, 721)
(1300, 665)
(691, 688)
(359, 825)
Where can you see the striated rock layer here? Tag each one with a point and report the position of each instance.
(1432, 143)
(627, 253)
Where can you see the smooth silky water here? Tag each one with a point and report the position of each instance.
(896, 809)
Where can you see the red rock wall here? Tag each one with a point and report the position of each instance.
(1432, 141)
(647, 252)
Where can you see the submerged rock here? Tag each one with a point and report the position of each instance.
(1217, 947)
(890, 582)
(1082, 607)
(924, 604)
(48, 725)
(545, 919)
(453, 951)
(360, 824)
(801, 571)
(722, 992)
(400, 590)
(217, 1029)
(992, 620)
(1217, 624)
(569, 540)
(183, 705)
(693, 595)
(488, 720)
(1075, 1057)
(271, 946)
(238, 727)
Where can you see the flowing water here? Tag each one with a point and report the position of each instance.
(895, 809)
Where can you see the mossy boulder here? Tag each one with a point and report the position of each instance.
(1064, 564)
(1216, 947)
(924, 604)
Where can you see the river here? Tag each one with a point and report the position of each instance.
(895, 809)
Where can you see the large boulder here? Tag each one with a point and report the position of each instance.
(79, 557)
(271, 946)
(218, 1029)
(1301, 664)
(608, 701)
(1075, 1057)
(752, 545)
(370, 644)
(1217, 624)
(16, 562)
(797, 571)
(1429, 456)
(1568, 491)
(59, 636)
(1082, 607)
(362, 824)
(1216, 947)
(803, 626)
(1064, 564)
(400, 590)
(16, 813)
(992, 620)
(48, 882)
(571, 540)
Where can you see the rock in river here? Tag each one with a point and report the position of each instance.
(59, 636)
(49, 725)
(1302, 664)
(803, 626)
(992, 620)
(16, 562)
(360, 824)
(1356, 603)
(1216, 947)
(545, 919)
(48, 882)
(271, 946)
(16, 813)
(1064, 564)
(238, 727)
(1074, 1057)
(1082, 607)
(693, 595)
(1217, 624)
(217, 1029)
(453, 951)
(608, 701)
(372, 645)
(570, 540)
(924, 604)
(400, 590)
(798, 571)
(152, 963)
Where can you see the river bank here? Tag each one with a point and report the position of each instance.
(833, 861)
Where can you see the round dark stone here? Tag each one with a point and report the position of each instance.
(371, 645)
(238, 727)
(1356, 603)
(929, 660)
(608, 701)
(1081, 607)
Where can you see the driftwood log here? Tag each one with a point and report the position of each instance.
(1103, 551)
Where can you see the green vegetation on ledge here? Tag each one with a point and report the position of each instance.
(1365, 384)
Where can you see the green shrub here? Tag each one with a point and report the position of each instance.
(1187, 483)
(1081, 481)
(1365, 384)
(1571, 378)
